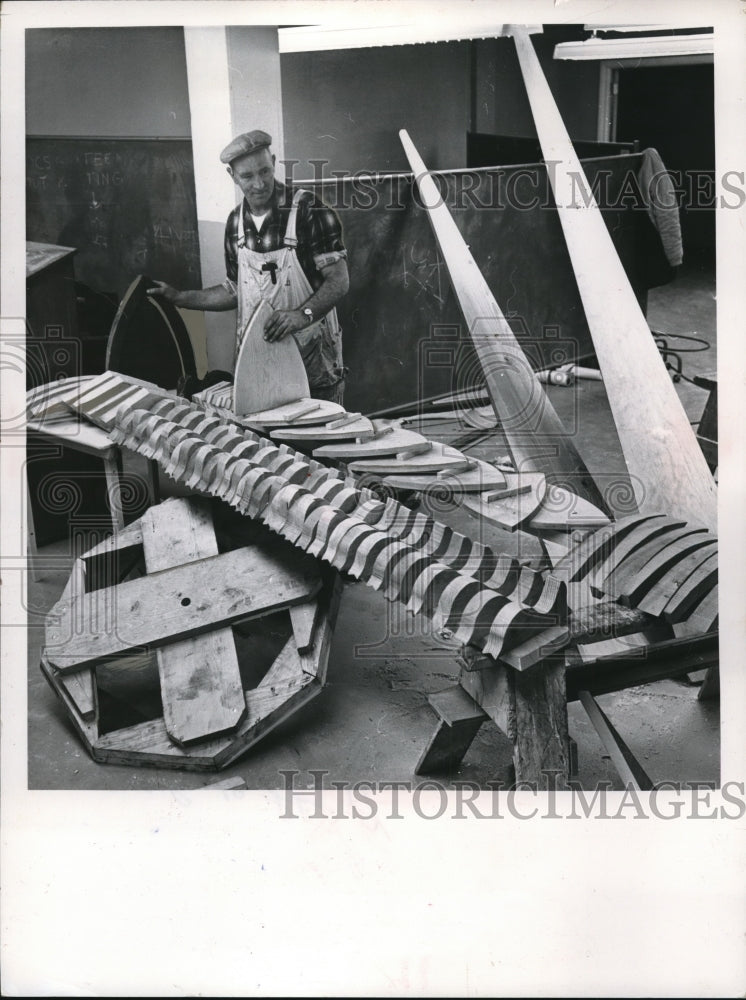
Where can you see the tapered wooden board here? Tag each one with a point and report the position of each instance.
(667, 468)
(268, 373)
(536, 437)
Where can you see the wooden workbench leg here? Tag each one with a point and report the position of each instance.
(459, 720)
(530, 707)
(539, 731)
(114, 492)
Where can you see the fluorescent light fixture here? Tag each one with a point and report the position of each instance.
(670, 47)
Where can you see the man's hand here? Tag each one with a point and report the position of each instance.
(163, 291)
(284, 322)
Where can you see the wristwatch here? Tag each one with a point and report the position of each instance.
(308, 313)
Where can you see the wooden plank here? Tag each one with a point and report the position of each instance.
(200, 679)
(177, 603)
(536, 437)
(80, 688)
(491, 690)
(627, 766)
(513, 511)
(459, 720)
(537, 648)
(666, 466)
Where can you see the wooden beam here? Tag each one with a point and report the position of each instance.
(536, 437)
(627, 766)
(666, 465)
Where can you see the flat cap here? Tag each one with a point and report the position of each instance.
(247, 142)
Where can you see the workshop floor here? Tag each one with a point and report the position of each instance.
(372, 720)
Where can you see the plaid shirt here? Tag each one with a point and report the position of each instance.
(318, 229)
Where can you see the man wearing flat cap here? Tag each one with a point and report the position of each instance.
(284, 247)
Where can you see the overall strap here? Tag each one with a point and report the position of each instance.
(291, 239)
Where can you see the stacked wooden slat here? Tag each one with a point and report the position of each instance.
(489, 600)
(657, 564)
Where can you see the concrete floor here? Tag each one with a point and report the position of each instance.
(372, 720)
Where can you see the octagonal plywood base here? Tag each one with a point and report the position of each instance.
(135, 707)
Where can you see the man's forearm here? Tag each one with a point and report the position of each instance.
(333, 288)
(214, 299)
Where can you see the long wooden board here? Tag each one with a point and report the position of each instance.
(268, 373)
(200, 679)
(536, 437)
(668, 471)
(174, 603)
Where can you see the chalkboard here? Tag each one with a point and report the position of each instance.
(402, 327)
(127, 205)
(484, 149)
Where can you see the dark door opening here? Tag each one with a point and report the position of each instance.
(671, 108)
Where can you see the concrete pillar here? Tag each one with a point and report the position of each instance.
(234, 85)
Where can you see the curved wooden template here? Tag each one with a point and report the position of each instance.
(633, 540)
(640, 564)
(414, 568)
(477, 480)
(442, 606)
(536, 437)
(438, 457)
(334, 539)
(375, 447)
(479, 616)
(702, 618)
(512, 512)
(383, 564)
(327, 522)
(298, 514)
(512, 626)
(666, 588)
(310, 412)
(666, 465)
(347, 549)
(324, 433)
(562, 510)
(596, 547)
(632, 590)
(268, 373)
(693, 591)
(127, 321)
